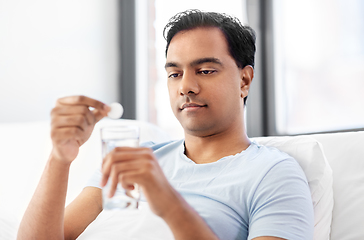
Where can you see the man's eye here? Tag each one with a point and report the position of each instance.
(173, 75)
(205, 72)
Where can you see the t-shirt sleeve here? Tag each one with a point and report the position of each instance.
(282, 205)
(95, 179)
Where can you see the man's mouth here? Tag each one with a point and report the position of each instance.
(191, 106)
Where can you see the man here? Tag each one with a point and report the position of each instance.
(214, 184)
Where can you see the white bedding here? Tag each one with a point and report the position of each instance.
(128, 225)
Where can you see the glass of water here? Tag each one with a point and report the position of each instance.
(119, 136)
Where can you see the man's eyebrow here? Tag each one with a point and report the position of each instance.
(170, 64)
(206, 60)
(195, 62)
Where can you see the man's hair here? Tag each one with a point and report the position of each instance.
(240, 38)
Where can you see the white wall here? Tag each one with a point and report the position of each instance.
(54, 48)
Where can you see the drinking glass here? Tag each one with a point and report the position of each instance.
(119, 136)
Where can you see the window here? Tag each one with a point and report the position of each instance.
(318, 65)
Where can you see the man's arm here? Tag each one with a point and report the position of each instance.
(72, 125)
(82, 211)
(44, 215)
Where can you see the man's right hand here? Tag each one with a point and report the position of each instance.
(72, 124)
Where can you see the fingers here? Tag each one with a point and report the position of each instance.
(99, 114)
(81, 100)
(65, 119)
(72, 123)
(100, 109)
(77, 121)
(121, 155)
(127, 166)
(124, 174)
(72, 116)
(74, 110)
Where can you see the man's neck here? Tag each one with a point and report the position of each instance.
(211, 148)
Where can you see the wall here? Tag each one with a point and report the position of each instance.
(53, 48)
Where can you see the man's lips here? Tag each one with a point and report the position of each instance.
(192, 106)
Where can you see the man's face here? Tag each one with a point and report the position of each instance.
(205, 85)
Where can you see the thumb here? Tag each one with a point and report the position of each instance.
(101, 113)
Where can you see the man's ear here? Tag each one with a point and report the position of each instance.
(247, 75)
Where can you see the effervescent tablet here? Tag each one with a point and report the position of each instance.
(116, 111)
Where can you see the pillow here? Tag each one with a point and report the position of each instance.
(308, 152)
(345, 153)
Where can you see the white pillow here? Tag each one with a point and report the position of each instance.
(345, 153)
(309, 154)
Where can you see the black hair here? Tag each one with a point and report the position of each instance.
(240, 38)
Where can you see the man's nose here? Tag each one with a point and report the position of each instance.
(189, 84)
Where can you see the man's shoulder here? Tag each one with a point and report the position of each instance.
(159, 146)
(268, 153)
(265, 159)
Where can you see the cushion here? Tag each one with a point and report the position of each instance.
(345, 153)
(308, 152)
